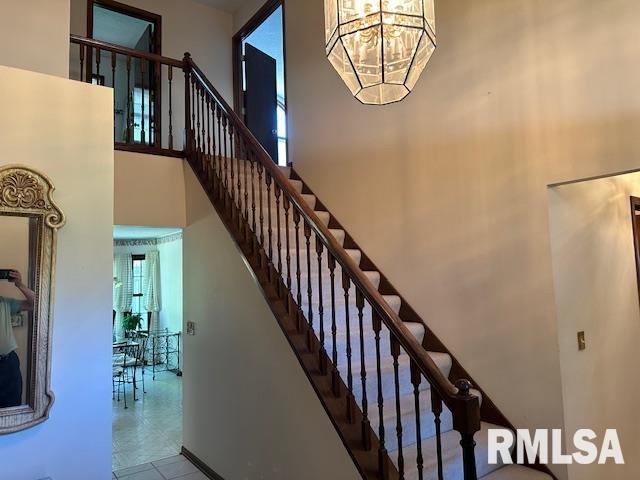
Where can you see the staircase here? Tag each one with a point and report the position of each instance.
(401, 403)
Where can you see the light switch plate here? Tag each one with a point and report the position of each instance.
(191, 328)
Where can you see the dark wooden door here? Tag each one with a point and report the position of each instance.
(261, 99)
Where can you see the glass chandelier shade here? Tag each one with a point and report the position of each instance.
(379, 47)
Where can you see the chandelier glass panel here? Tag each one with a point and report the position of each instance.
(379, 47)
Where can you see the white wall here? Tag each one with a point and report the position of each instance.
(250, 411)
(64, 129)
(34, 35)
(446, 191)
(596, 292)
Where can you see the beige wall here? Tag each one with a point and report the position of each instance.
(64, 129)
(250, 411)
(34, 35)
(596, 292)
(149, 190)
(187, 26)
(244, 13)
(447, 190)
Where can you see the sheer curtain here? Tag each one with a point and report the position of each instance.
(151, 287)
(122, 289)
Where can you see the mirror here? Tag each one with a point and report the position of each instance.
(29, 221)
(18, 236)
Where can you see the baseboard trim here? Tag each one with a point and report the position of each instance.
(203, 467)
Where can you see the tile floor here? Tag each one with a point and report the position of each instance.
(151, 428)
(176, 467)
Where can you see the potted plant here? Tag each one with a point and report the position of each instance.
(131, 323)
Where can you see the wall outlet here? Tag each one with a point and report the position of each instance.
(582, 343)
(191, 328)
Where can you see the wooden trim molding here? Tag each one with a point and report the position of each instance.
(254, 22)
(203, 467)
(635, 222)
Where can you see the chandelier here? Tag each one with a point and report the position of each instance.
(379, 47)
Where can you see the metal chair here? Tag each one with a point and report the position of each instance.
(124, 366)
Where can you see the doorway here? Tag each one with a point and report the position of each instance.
(135, 81)
(147, 346)
(260, 79)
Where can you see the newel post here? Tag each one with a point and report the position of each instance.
(188, 128)
(466, 421)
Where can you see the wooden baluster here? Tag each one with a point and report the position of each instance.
(170, 75)
(98, 55)
(226, 158)
(366, 427)
(269, 227)
(231, 166)
(436, 408)
(193, 113)
(287, 205)
(186, 137)
(246, 181)
(238, 152)
(335, 374)
(307, 236)
(346, 285)
(209, 161)
(220, 161)
(416, 378)
(151, 97)
(260, 212)
(113, 85)
(130, 102)
(82, 74)
(467, 426)
(253, 195)
(203, 142)
(395, 353)
(278, 192)
(214, 141)
(198, 106)
(143, 136)
(383, 465)
(321, 352)
(296, 221)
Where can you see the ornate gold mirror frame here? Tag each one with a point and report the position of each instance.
(25, 192)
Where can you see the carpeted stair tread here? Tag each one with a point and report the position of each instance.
(374, 277)
(516, 472)
(310, 199)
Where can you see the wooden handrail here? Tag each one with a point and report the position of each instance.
(449, 392)
(111, 47)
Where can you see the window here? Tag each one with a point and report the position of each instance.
(137, 302)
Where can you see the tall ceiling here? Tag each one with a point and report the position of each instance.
(230, 6)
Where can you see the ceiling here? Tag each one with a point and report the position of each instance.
(137, 233)
(231, 6)
(114, 27)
